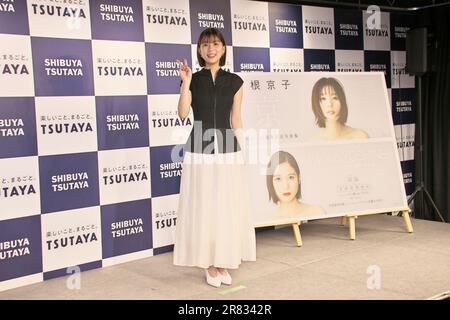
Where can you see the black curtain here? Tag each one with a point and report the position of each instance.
(435, 118)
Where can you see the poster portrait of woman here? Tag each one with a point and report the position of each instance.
(284, 187)
(329, 105)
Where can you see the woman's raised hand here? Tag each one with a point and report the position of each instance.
(185, 71)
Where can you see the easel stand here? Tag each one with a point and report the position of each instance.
(298, 236)
(295, 227)
(352, 223)
(350, 219)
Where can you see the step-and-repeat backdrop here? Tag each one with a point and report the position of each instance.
(88, 113)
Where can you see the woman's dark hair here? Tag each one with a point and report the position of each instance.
(315, 100)
(278, 158)
(205, 36)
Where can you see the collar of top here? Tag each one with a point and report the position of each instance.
(207, 72)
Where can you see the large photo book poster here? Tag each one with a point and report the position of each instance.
(320, 145)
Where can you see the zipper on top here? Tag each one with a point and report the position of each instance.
(214, 112)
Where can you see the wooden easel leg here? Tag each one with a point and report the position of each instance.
(351, 226)
(407, 219)
(343, 220)
(298, 237)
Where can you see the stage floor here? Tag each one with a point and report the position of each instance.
(328, 266)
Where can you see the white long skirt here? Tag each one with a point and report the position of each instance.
(214, 225)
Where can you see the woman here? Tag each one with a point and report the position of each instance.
(284, 187)
(214, 226)
(330, 109)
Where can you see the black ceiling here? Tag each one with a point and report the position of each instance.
(383, 4)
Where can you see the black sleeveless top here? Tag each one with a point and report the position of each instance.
(211, 106)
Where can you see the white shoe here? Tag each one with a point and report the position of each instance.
(225, 279)
(213, 281)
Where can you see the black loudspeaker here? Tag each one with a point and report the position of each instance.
(416, 51)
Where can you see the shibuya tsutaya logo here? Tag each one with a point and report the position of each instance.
(374, 19)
